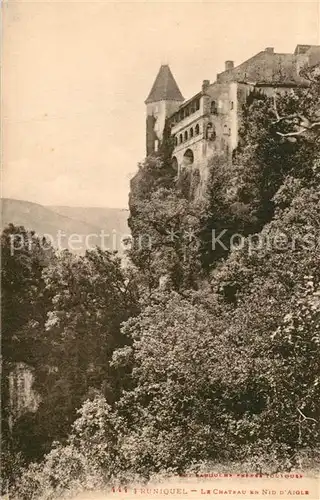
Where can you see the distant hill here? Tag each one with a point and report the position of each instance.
(76, 228)
(111, 219)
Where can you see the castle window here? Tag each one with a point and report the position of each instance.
(176, 141)
(210, 133)
(191, 132)
(186, 135)
(213, 108)
(180, 139)
(231, 105)
(197, 104)
(197, 129)
(225, 130)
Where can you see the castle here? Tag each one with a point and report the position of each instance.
(208, 123)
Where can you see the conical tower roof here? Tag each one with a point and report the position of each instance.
(165, 87)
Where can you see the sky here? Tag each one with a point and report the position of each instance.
(76, 74)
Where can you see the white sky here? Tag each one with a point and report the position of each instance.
(76, 74)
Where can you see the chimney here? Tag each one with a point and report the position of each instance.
(229, 65)
(269, 50)
(205, 85)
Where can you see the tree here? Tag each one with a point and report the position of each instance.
(91, 297)
(62, 317)
(24, 305)
(265, 155)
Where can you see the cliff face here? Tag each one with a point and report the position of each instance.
(22, 396)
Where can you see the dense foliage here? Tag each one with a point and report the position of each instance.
(62, 318)
(217, 349)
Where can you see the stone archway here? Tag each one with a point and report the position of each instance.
(188, 158)
(174, 163)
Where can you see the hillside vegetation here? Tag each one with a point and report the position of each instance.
(197, 355)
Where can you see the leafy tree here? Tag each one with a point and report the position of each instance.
(24, 305)
(91, 297)
(166, 244)
(62, 316)
(265, 156)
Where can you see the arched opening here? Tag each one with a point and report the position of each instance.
(213, 108)
(191, 132)
(186, 135)
(180, 139)
(174, 163)
(176, 141)
(188, 158)
(197, 129)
